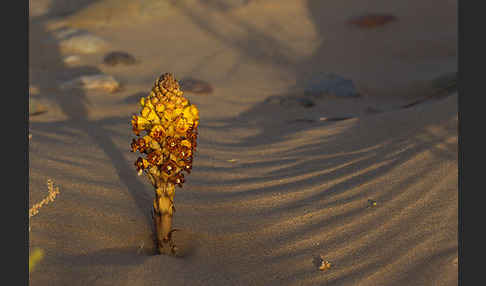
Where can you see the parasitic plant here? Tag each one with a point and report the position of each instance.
(166, 130)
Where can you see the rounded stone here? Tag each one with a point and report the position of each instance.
(119, 58)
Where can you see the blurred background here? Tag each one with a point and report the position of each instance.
(383, 47)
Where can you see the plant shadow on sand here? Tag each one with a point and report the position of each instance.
(74, 104)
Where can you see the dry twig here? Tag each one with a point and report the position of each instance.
(53, 192)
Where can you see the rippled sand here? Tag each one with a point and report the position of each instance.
(273, 187)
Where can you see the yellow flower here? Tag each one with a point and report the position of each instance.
(170, 104)
(155, 158)
(139, 124)
(159, 107)
(186, 143)
(151, 142)
(139, 145)
(153, 117)
(191, 113)
(154, 100)
(145, 112)
(157, 132)
(181, 102)
(170, 129)
(169, 114)
(181, 125)
(141, 164)
(178, 111)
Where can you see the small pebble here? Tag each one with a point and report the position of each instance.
(371, 203)
(305, 102)
(71, 60)
(140, 248)
(373, 110)
(93, 82)
(196, 86)
(335, 118)
(35, 107)
(325, 265)
(119, 58)
(321, 84)
(370, 21)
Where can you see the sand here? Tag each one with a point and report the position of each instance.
(274, 186)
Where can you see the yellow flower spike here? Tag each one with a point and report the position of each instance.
(170, 124)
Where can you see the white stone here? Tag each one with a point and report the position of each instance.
(92, 82)
(72, 59)
(79, 41)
